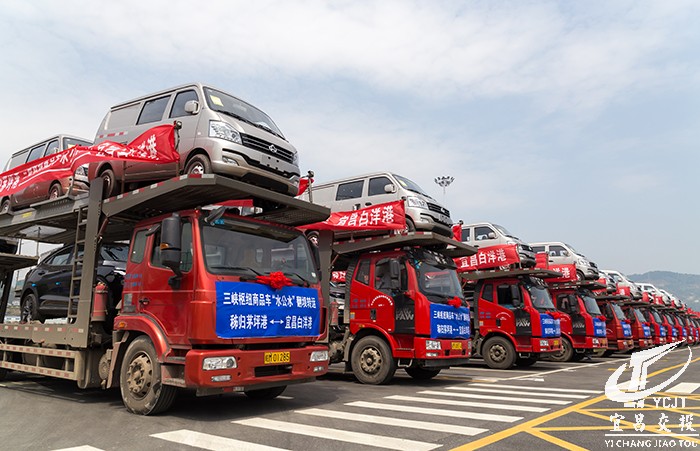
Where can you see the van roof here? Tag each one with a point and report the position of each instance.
(544, 243)
(61, 135)
(354, 177)
(169, 90)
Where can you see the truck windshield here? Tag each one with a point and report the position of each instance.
(638, 315)
(436, 281)
(231, 106)
(618, 311)
(591, 306)
(410, 185)
(540, 297)
(251, 249)
(656, 317)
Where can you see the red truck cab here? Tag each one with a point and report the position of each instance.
(659, 331)
(582, 322)
(617, 326)
(513, 317)
(641, 328)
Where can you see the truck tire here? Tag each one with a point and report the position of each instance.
(140, 380)
(3, 374)
(422, 374)
(566, 354)
(372, 361)
(608, 353)
(525, 362)
(265, 393)
(29, 309)
(498, 353)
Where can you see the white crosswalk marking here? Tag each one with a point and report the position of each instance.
(438, 412)
(453, 402)
(211, 442)
(685, 388)
(479, 396)
(519, 393)
(389, 421)
(359, 438)
(80, 448)
(547, 389)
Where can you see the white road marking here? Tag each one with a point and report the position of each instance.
(453, 402)
(211, 442)
(685, 388)
(571, 369)
(359, 438)
(510, 392)
(439, 412)
(495, 398)
(389, 421)
(548, 389)
(284, 397)
(80, 448)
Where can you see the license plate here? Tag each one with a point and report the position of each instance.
(556, 342)
(456, 345)
(277, 357)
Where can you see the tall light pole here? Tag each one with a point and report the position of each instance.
(444, 181)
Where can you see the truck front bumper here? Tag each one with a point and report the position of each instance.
(544, 345)
(441, 348)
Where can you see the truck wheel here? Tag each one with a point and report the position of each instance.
(29, 309)
(372, 361)
(608, 353)
(524, 362)
(110, 187)
(3, 374)
(198, 164)
(140, 381)
(566, 354)
(265, 393)
(422, 374)
(577, 357)
(498, 353)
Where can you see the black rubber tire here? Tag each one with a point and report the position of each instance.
(5, 207)
(410, 226)
(3, 373)
(525, 362)
(141, 369)
(579, 276)
(372, 361)
(577, 357)
(566, 354)
(608, 353)
(55, 191)
(198, 164)
(422, 374)
(111, 185)
(498, 353)
(265, 393)
(29, 309)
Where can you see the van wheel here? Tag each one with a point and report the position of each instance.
(498, 353)
(422, 374)
(29, 309)
(5, 206)
(372, 361)
(566, 354)
(409, 227)
(140, 380)
(265, 393)
(55, 192)
(110, 188)
(199, 164)
(579, 276)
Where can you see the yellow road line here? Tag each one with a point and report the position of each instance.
(554, 440)
(525, 427)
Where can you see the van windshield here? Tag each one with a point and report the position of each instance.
(409, 185)
(231, 106)
(503, 230)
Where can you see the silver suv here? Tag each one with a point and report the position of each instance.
(563, 254)
(220, 134)
(485, 234)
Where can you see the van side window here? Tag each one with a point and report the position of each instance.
(181, 99)
(52, 148)
(137, 247)
(377, 184)
(537, 249)
(557, 251)
(482, 233)
(18, 159)
(466, 234)
(487, 293)
(36, 152)
(153, 110)
(362, 273)
(350, 190)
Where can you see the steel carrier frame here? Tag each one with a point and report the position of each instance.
(72, 350)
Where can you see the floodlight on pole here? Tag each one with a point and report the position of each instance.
(444, 181)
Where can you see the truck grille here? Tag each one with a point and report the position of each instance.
(439, 209)
(273, 370)
(267, 148)
(593, 265)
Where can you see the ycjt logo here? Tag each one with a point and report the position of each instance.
(640, 362)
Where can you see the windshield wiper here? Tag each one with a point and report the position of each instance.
(236, 268)
(259, 125)
(304, 282)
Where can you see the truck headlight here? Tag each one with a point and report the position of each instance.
(432, 345)
(417, 202)
(223, 130)
(319, 356)
(219, 363)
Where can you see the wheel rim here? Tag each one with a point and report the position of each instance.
(53, 194)
(27, 308)
(108, 183)
(140, 376)
(196, 168)
(497, 353)
(5, 206)
(370, 360)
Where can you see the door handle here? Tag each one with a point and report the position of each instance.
(367, 204)
(144, 301)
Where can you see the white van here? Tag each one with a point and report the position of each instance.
(423, 213)
(220, 134)
(622, 281)
(563, 254)
(486, 234)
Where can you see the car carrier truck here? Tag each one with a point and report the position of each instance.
(212, 301)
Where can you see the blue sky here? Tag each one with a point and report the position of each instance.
(562, 121)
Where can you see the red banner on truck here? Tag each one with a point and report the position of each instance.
(389, 216)
(489, 257)
(156, 145)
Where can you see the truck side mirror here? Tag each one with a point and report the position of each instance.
(389, 188)
(515, 296)
(192, 107)
(395, 273)
(170, 244)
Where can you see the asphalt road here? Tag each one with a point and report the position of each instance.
(549, 406)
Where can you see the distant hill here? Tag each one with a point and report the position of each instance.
(684, 286)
